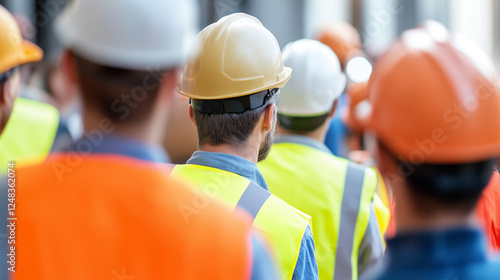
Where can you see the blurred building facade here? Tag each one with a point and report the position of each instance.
(379, 21)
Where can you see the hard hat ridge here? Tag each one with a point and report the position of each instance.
(235, 56)
(132, 34)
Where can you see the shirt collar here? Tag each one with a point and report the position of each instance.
(301, 140)
(120, 145)
(441, 248)
(230, 163)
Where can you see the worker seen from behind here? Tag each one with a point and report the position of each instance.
(14, 51)
(32, 125)
(105, 208)
(300, 169)
(435, 98)
(232, 76)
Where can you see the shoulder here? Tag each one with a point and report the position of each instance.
(283, 209)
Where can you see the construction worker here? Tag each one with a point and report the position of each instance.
(105, 208)
(28, 119)
(301, 170)
(345, 42)
(14, 51)
(434, 101)
(232, 76)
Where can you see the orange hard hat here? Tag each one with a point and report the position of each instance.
(352, 115)
(435, 99)
(342, 38)
(14, 51)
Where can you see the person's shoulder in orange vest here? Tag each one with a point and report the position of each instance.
(488, 211)
(112, 217)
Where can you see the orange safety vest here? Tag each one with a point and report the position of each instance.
(488, 211)
(113, 217)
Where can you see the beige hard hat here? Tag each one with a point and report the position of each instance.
(235, 56)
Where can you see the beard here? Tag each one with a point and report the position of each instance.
(268, 142)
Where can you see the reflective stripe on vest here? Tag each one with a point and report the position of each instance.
(283, 225)
(351, 200)
(253, 198)
(336, 193)
(29, 133)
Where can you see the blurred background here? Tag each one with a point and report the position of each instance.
(378, 21)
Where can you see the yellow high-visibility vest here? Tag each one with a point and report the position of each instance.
(29, 134)
(283, 225)
(336, 193)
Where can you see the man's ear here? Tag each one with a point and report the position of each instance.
(4, 90)
(10, 89)
(191, 115)
(334, 108)
(168, 84)
(68, 66)
(268, 121)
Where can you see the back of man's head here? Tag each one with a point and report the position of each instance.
(232, 75)
(317, 82)
(122, 51)
(435, 110)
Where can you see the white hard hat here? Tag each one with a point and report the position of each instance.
(132, 34)
(317, 79)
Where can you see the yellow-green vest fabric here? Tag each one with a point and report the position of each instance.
(30, 132)
(324, 186)
(283, 225)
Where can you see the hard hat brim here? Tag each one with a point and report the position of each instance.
(284, 77)
(30, 53)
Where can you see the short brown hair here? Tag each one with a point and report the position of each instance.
(122, 95)
(229, 128)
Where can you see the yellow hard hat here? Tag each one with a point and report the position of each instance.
(14, 50)
(235, 56)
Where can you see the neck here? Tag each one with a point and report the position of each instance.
(247, 152)
(411, 219)
(437, 222)
(318, 134)
(150, 131)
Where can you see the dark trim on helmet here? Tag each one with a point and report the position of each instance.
(237, 105)
(301, 124)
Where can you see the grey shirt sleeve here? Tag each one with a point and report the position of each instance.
(371, 250)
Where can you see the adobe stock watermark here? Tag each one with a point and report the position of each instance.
(49, 9)
(454, 117)
(381, 19)
(121, 276)
(123, 106)
(211, 189)
(226, 7)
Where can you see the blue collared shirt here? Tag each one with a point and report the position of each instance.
(306, 267)
(459, 253)
(262, 265)
(118, 145)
